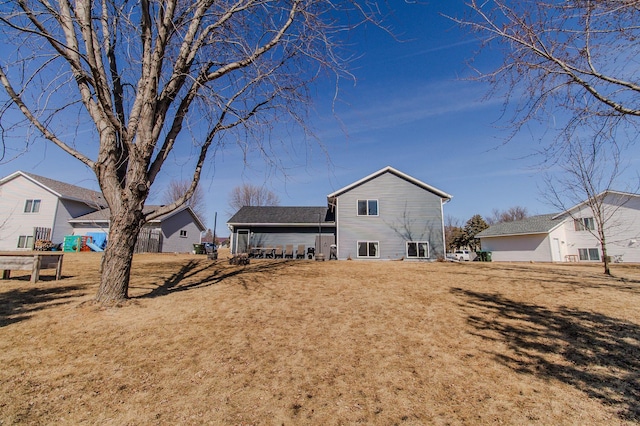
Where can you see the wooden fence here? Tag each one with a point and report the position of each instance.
(149, 241)
(40, 233)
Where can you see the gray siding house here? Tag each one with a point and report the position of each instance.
(386, 215)
(389, 215)
(175, 232)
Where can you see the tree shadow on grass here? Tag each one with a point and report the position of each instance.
(20, 304)
(556, 276)
(597, 354)
(198, 274)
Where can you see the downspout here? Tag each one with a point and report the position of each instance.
(444, 242)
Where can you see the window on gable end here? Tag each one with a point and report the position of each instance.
(32, 206)
(367, 207)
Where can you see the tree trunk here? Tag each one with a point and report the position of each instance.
(118, 255)
(605, 257)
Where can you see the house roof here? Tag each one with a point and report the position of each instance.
(102, 216)
(61, 189)
(280, 215)
(398, 173)
(620, 194)
(541, 224)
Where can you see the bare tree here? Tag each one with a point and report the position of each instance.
(589, 172)
(142, 72)
(510, 215)
(176, 190)
(576, 56)
(252, 195)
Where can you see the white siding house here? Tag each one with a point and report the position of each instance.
(31, 203)
(28, 202)
(570, 235)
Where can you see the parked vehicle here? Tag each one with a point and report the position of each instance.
(462, 255)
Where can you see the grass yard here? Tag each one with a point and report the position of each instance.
(331, 343)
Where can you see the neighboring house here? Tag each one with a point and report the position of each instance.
(569, 236)
(175, 232)
(386, 215)
(35, 207)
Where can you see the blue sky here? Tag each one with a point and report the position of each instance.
(411, 108)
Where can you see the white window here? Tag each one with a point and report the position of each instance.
(584, 224)
(368, 249)
(32, 206)
(367, 207)
(589, 254)
(417, 249)
(25, 241)
(183, 233)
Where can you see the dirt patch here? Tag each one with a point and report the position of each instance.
(304, 342)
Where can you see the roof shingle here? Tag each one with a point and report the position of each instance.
(540, 224)
(282, 215)
(68, 191)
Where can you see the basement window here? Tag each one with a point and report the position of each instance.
(368, 249)
(417, 249)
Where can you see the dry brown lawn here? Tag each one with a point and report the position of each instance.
(331, 343)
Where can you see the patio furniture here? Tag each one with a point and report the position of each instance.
(300, 251)
(30, 261)
(288, 251)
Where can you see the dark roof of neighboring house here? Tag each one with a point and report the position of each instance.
(278, 215)
(398, 173)
(104, 214)
(64, 190)
(540, 224)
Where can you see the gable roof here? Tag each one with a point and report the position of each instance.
(541, 224)
(620, 194)
(398, 173)
(279, 215)
(102, 216)
(61, 189)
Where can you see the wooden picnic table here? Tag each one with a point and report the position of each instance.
(33, 261)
